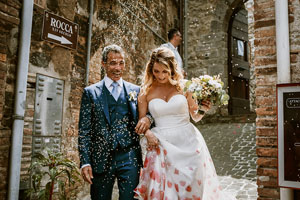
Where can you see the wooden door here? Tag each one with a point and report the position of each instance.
(238, 66)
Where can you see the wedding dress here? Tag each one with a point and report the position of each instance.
(181, 168)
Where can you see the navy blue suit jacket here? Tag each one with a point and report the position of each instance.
(94, 145)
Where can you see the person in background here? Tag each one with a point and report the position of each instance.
(175, 39)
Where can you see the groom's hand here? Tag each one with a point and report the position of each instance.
(142, 125)
(87, 174)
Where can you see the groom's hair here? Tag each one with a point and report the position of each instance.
(111, 48)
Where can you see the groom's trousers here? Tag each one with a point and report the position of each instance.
(125, 169)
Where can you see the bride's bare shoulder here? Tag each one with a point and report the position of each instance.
(151, 95)
(142, 96)
(147, 96)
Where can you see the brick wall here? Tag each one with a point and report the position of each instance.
(266, 79)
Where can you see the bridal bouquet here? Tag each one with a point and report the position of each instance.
(208, 88)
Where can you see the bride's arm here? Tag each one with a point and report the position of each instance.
(143, 109)
(144, 122)
(193, 107)
(142, 105)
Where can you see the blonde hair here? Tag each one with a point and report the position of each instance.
(164, 56)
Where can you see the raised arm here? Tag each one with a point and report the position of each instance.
(193, 107)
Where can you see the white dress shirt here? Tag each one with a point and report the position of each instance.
(108, 83)
(175, 51)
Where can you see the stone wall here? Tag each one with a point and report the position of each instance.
(137, 26)
(207, 38)
(208, 23)
(249, 5)
(9, 32)
(207, 41)
(60, 63)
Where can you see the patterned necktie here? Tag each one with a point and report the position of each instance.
(114, 91)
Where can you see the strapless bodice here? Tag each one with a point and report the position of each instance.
(170, 114)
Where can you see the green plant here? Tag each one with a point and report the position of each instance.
(53, 176)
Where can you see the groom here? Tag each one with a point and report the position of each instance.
(108, 144)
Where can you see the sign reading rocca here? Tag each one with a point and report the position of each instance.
(60, 31)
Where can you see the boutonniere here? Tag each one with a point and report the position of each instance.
(132, 96)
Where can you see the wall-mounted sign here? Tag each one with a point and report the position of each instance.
(288, 116)
(60, 31)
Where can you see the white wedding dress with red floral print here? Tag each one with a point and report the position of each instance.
(181, 168)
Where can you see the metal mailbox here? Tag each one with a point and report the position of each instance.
(48, 113)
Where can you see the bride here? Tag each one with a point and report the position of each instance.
(177, 164)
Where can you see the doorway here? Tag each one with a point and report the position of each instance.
(238, 65)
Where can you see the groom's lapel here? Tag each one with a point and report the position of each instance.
(103, 99)
(132, 104)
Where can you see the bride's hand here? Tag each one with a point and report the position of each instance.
(151, 140)
(205, 105)
(142, 125)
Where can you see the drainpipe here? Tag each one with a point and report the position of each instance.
(20, 99)
(282, 41)
(283, 61)
(185, 36)
(88, 56)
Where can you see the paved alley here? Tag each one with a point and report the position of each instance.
(232, 147)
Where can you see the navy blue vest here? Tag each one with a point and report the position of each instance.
(122, 123)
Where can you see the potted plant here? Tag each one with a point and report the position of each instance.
(53, 176)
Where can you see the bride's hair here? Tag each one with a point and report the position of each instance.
(164, 56)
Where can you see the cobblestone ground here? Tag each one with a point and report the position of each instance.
(232, 148)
